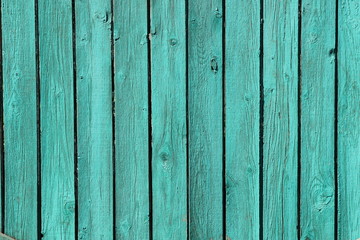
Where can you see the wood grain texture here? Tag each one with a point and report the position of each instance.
(348, 119)
(280, 119)
(205, 118)
(94, 119)
(242, 118)
(168, 75)
(20, 129)
(57, 119)
(131, 109)
(317, 119)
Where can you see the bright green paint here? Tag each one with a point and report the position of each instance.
(317, 119)
(131, 120)
(94, 119)
(205, 22)
(348, 119)
(57, 119)
(242, 118)
(20, 131)
(280, 79)
(168, 75)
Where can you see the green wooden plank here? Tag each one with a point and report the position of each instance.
(57, 119)
(168, 69)
(242, 118)
(20, 128)
(205, 119)
(348, 119)
(94, 119)
(280, 119)
(131, 119)
(317, 119)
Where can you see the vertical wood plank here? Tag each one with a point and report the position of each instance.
(168, 74)
(205, 119)
(348, 119)
(20, 128)
(317, 119)
(280, 119)
(131, 119)
(242, 118)
(57, 119)
(94, 120)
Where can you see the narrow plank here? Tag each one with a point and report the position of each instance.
(348, 119)
(242, 118)
(317, 119)
(20, 128)
(205, 118)
(131, 119)
(94, 119)
(57, 119)
(280, 139)
(168, 74)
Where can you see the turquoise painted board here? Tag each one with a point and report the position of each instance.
(57, 119)
(205, 22)
(168, 93)
(94, 119)
(317, 120)
(348, 119)
(280, 78)
(242, 97)
(20, 128)
(131, 120)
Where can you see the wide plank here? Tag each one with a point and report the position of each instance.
(242, 61)
(317, 119)
(131, 120)
(57, 119)
(20, 118)
(94, 119)
(205, 109)
(348, 119)
(280, 149)
(168, 91)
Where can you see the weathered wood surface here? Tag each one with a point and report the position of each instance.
(317, 119)
(131, 120)
(57, 119)
(180, 119)
(94, 119)
(280, 77)
(242, 83)
(348, 119)
(20, 128)
(168, 93)
(205, 21)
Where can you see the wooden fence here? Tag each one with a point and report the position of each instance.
(180, 119)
